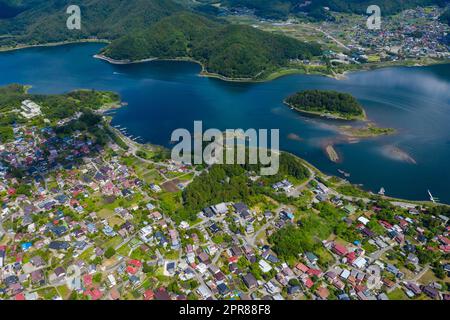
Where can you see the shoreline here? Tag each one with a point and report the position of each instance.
(328, 148)
(328, 116)
(52, 44)
(204, 73)
(307, 164)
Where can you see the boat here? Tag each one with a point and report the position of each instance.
(432, 198)
(345, 174)
(382, 192)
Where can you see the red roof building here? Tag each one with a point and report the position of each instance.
(300, 266)
(149, 295)
(444, 240)
(308, 283)
(135, 263)
(19, 297)
(323, 293)
(339, 249)
(314, 272)
(87, 280)
(132, 270)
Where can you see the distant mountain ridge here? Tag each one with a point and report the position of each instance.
(45, 20)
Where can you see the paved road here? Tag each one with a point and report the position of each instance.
(415, 279)
(329, 36)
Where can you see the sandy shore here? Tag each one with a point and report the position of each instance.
(52, 44)
(332, 153)
(122, 62)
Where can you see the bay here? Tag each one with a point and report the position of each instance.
(163, 96)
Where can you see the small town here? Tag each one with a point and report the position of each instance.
(411, 37)
(87, 220)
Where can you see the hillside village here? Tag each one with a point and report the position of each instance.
(83, 219)
(412, 37)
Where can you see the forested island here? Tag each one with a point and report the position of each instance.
(329, 104)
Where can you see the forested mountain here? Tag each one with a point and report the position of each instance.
(41, 21)
(234, 51)
(168, 38)
(44, 21)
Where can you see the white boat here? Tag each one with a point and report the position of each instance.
(432, 199)
(345, 174)
(382, 192)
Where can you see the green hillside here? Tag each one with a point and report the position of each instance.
(229, 50)
(44, 21)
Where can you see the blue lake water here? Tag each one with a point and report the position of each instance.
(163, 96)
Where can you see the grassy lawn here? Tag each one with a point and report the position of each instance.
(374, 58)
(63, 291)
(428, 277)
(115, 221)
(4, 240)
(138, 254)
(86, 255)
(325, 257)
(352, 191)
(170, 202)
(123, 250)
(113, 242)
(186, 177)
(48, 293)
(397, 294)
(105, 213)
(171, 255)
(152, 176)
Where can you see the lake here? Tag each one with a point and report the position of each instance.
(163, 96)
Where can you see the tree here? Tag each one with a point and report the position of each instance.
(110, 252)
(97, 278)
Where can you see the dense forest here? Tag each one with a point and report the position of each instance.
(224, 183)
(340, 104)
(44, 21)
(234, 51)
